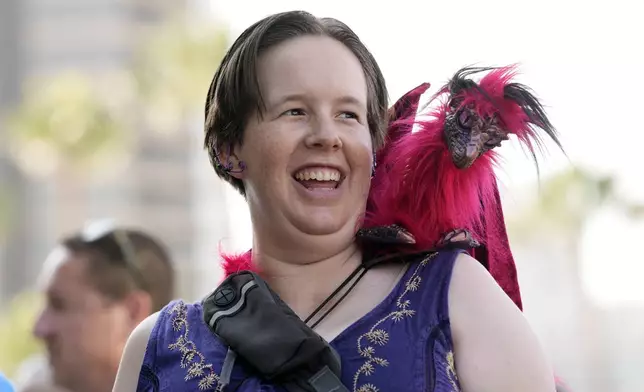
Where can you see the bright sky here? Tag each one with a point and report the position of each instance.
(580, 58)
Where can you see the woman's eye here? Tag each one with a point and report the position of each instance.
(294, 112)
(349, 115)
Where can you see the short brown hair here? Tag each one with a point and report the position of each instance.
(234, 91)
(108, 270)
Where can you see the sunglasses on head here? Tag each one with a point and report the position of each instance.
(105, 231)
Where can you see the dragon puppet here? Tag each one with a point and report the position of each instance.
(434, 183)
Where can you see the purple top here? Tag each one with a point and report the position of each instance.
(403, 344)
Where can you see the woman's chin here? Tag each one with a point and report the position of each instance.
(318, 223)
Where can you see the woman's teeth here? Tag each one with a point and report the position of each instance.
(318, 175)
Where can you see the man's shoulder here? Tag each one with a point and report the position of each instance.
(5, 385)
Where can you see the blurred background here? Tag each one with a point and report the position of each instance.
(101, 113)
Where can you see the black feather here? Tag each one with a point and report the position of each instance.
(526, 99)
(537, 117)
(460, 83)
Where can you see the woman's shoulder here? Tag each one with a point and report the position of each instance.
(175, 350)
(474, 294)
(423, 290)
(163, 334)
(431, 276)
(177, 327)
(471, 283)
(495, 348)
(134, 354)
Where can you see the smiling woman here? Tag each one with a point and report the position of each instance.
(346, 287)
(314, 121)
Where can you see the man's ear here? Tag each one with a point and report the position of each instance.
(139, 305)
(229, 161)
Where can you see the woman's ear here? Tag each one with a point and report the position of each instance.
(228, 160)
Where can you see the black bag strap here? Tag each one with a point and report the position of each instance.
(260, 328)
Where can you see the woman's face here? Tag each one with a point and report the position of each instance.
(308, 156)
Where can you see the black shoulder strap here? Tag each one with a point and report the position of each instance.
(253, 321)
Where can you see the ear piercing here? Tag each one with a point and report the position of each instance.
(229, 166)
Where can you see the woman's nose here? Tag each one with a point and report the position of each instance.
(324, 135)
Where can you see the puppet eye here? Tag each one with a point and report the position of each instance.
(465, 119)
(455, 102)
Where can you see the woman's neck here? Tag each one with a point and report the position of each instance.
(303, 286)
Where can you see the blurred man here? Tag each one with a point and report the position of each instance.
(99, 285)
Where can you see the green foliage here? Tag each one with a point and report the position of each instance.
(174, 70)
(566, 200)
(179, 61)
(16, 325)
(88, 124)
(85, 122)
(63, 120)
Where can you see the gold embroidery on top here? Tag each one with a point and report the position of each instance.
(191, 358)
(379, 337)
(451, 370)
